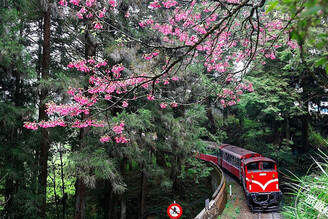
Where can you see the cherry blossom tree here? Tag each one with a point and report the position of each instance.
(224, 36)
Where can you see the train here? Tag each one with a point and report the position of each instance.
(257, 174)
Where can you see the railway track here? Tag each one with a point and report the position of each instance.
(245, 211)
(271, 215)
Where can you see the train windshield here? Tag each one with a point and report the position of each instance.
(268, 166)
(253, 166)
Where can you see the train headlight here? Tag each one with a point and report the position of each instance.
(252, 176)
(272, 176)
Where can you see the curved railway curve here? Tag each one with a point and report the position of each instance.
(219, 198)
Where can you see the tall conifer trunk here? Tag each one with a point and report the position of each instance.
(44, 146)
(80, 187)
(305, 132)
(143, 193)
(123, 200)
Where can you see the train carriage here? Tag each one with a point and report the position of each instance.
(257, 174)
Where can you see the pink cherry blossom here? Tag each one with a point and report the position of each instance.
(125, 104)
(150, 97)
(83, 10)
(105, 138)
(112, 3)
(89, 3)
(174, 104)
(117, 70)
(292, 44)
(62, 2)
(75, 2)
(108, 97)
(31, 125)
(174, 78)
(154, 4)
(155, 53)
(166, 81)
(98, 25)
(185, 25)
(118, 128)
(163, 105)
(148, 56)
(121, 139)
(169, 3)
(101, 14)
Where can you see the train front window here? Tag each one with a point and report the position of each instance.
(268, 166)
(253, 166)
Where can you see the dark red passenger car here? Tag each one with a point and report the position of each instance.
(257, 174)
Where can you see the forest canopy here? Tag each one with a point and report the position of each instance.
(104, 102)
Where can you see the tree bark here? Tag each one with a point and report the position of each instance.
(211, 125)
(123, 198)
(44, 147)
(80, 187)
(143, 193)
(160, 159)
(176, 171)
(288, 137)
(63, 182)
(305, 132)
(80, 195)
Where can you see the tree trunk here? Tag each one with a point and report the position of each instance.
(80, 195)
(305, 133)
(42, 114)
(143, 193)
(80, 187)
(123, 208)
(9, 192)
(62, 181)
(55, 191)
(288, 137)
(160, 159)
(123, 200)
(176, 171)
(211, 125)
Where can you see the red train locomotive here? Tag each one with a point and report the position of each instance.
(257, 174)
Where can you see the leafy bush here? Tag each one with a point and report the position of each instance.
(310, 193)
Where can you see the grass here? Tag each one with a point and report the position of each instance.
(230, 210)
(310, 193)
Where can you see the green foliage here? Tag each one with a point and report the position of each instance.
(272, 6)
(19, 169)
(232, 209)
(309, 27)
(317, 140)
(310, 193)
(93, 165)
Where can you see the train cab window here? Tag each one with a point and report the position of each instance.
(253, 166)
(268, 165)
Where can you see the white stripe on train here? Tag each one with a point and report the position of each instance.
(260, 184)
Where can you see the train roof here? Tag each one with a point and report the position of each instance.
(257, 159)
(240, 152)
(250, 156)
